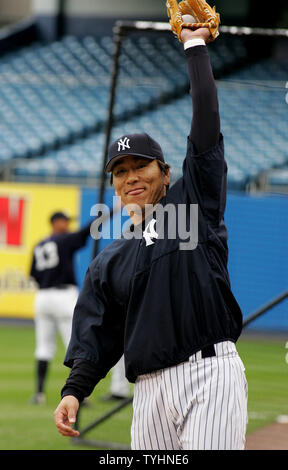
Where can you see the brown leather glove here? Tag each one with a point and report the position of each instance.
(193, 14)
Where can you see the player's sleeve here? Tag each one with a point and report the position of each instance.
(81, 381)
(98, 329)
(205, 125)
(33, 271)
(77, 240)
(205, 168)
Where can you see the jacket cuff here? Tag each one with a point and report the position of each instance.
(72, 391)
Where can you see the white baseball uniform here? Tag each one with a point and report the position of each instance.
(53, 269)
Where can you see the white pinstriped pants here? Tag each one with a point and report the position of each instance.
(200, 404)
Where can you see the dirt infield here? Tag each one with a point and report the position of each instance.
(272, 437)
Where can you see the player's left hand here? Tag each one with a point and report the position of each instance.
(203, 33)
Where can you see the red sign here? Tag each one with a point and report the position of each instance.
(11, 220)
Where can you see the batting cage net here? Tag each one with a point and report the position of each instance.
(80, 94)
(149, 78)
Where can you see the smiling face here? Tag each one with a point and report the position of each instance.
(139, 181)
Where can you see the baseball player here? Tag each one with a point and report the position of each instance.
(53, 270)
(169, 307)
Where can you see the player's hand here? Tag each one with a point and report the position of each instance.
(65, 416)
(203, 33)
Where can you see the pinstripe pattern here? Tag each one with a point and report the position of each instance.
(197, 405)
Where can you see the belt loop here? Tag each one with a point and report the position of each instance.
(209, 351)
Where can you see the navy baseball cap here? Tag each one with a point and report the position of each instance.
(138, 145)
(59, 215)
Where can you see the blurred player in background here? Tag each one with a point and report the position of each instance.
(119, 386)
(53, 270)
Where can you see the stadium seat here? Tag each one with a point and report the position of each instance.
(60, 91)
(54, 103)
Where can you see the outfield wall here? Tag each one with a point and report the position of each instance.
(258, 245)
(24, 219)
(258, 261)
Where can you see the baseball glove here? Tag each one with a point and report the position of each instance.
(192, 14)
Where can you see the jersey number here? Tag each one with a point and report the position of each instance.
(46, 256)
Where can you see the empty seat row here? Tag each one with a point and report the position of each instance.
(53, 94)
(253, 141)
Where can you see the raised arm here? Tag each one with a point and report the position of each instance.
(205, 126)
(205, 175)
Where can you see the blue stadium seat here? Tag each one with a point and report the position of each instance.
(54, 104)
(64, 85)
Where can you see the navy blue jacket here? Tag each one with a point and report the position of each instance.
(158, 304)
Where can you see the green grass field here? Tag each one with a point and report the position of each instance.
(28, 427)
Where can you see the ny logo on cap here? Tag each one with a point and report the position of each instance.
(123, 144)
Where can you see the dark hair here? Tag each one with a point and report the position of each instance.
(164, 167)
